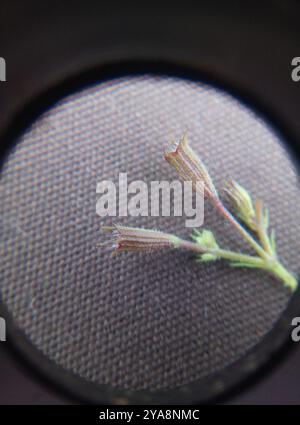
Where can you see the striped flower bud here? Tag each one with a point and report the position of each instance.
(189, 166)
(143, 240)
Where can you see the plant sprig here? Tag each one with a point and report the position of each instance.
(250, 219)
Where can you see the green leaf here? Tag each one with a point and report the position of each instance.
(241, 264)
(266, 219)
(197, 233)
(208, 257)
(205, 239)
(273, 241)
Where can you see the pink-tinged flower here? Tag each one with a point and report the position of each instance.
(143, 240)
(189, 166)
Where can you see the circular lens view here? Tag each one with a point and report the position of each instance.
(166, 317)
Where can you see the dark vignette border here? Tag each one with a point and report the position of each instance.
(233, 378)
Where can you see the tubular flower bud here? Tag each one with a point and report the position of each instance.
(143, 240)
(242, 204)
(189, 166)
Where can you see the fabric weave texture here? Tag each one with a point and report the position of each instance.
(137, 321)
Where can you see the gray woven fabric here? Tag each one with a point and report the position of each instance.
(138, 321)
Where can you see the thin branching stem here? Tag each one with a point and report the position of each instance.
(243, 232)
(271, 265)
(261, 230)
(222, 253)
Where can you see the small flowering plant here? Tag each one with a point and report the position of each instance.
(249, 218)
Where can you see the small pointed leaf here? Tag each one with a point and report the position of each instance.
(273, 241)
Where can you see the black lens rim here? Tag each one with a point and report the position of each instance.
(150, 55)
(200, 391)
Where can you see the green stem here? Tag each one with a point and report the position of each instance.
(262, 231)
(273, 266)
(288, 278)
(222, 253)
(246, 235)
